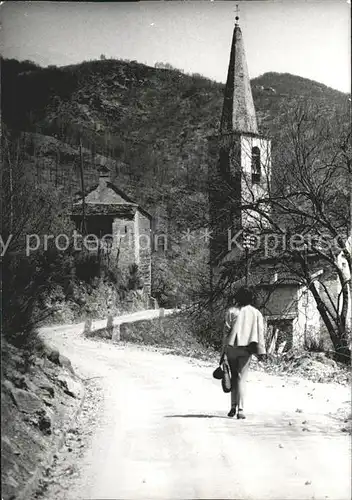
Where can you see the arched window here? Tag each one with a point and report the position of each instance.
(256, 170)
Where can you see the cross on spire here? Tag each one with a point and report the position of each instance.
(237, 18)
(238, 113)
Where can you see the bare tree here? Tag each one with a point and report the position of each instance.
(306, 208)
(29, 215)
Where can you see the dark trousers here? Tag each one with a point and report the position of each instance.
(239, 360)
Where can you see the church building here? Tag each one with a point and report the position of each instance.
(239, 178)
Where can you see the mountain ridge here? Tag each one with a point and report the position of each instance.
(154, 122)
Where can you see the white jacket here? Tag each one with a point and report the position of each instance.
(244, 326)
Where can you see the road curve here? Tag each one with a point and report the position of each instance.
(164, 434)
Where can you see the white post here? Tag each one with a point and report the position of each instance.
(116, 334)
(87, 327)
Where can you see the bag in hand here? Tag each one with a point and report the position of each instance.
(223, 373)
(218, 373)
(226, 379)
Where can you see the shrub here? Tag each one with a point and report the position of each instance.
(316, 343)
(27, 276)
(134, 278)
(87, 266)
(172, 332)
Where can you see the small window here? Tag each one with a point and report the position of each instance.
(99, 225)
(256, 168)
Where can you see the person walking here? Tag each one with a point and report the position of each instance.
(243, 336)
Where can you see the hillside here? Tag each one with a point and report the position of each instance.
(153, 121)
(150, 125)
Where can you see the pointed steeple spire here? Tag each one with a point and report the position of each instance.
(238, 113)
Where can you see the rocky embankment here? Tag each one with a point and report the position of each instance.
(41, 396)
(96, 300)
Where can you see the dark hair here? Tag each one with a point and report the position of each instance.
(245, 296)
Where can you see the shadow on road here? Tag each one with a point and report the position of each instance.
(200, 415)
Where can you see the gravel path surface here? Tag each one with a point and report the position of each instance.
(154, 426)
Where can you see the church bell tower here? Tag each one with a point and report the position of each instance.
(239, 159)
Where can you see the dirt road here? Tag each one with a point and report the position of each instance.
(162, 432)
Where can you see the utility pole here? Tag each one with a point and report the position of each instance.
(11, 189)
(57, 166)
(246, 249)
(81, 169)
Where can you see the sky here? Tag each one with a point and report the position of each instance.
(303, 37)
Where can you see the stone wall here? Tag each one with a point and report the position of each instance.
(144, 246)
(230, 180)
(124, 246)
(132, 245)
(281, 312)
(308, 320)
(224, 187)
